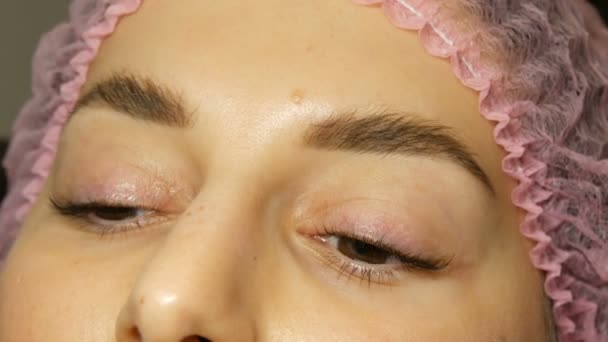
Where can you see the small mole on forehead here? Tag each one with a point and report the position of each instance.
(297, 96)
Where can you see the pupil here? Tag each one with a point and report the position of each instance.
(362, 247)
(115, 213)
(361, 251)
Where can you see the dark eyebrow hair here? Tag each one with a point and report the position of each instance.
(139, 97)
(393, 133)
(386, 132)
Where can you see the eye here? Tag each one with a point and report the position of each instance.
(378, 252)
(115, 213)
(372, 260)
(362, 251)
(108, 218)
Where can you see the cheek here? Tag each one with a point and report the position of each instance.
(48, 294)
(297, 307)
(318, 318)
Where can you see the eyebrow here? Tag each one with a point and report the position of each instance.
(385, 132)
(140, 98)
(394, 133)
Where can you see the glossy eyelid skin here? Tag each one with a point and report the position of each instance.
(119, 183)
(362, 220)
(372, 220)
(121, 186)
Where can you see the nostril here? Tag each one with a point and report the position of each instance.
(134, 334)
(196, 339)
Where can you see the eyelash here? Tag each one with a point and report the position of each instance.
(368, 273)
(365, 272)
(83, 212)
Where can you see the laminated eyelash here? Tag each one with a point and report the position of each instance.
(409, 261)
(383, 274)
(110, 218)
(106, 219)
(83, 209)
(365, 274)
(73, 209)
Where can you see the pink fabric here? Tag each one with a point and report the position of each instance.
(59, 71)
(547, 92)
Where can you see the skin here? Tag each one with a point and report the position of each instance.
(235, 251)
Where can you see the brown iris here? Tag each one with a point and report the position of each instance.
(115, 213)
(361, 251)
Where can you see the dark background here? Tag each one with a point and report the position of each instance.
(53, 12)
(602, 5)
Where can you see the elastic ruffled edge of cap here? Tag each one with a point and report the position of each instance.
(441, 39)
(66, 98)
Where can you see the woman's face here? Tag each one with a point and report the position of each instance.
(272, 171)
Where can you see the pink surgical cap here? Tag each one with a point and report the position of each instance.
(541, 70)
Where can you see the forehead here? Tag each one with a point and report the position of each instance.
(255, 59)
(334, 50)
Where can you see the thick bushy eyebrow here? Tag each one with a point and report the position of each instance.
(139, 97)
(393, 133)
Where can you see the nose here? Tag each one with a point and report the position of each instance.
(195, 286)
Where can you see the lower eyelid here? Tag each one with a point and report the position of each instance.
(341, 267)
(144, 222)
(89, 225)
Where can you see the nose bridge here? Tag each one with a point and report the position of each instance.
(195, 283)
